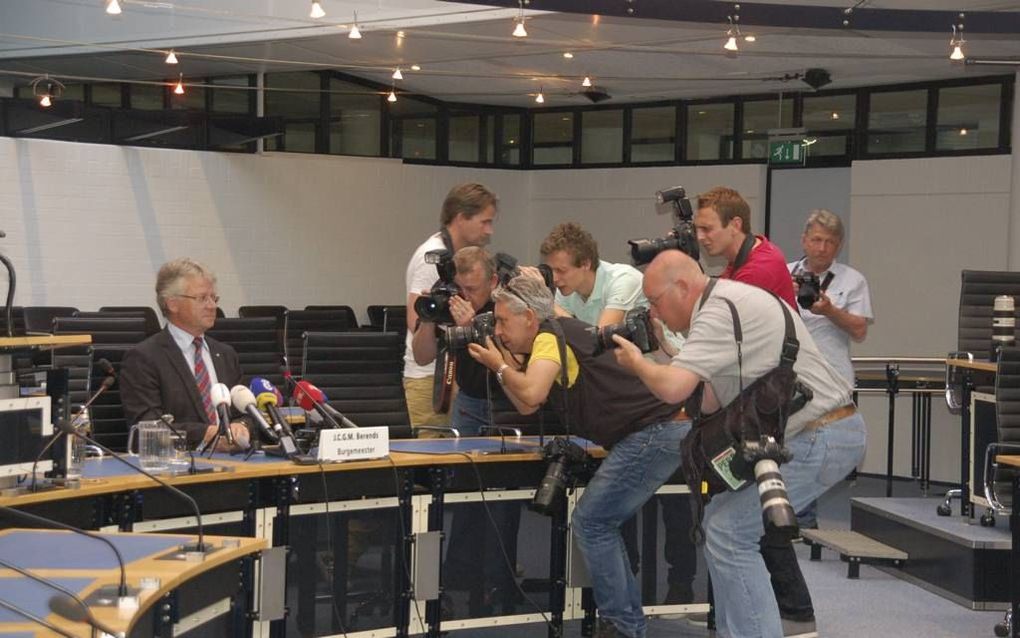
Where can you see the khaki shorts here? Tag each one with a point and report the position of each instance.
(418, 393)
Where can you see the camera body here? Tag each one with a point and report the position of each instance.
(435, 306)
(760, 460)
(481, 327)
(809, 289)
(507, 267)
(683, 237)
(567, 462)
(636, 327)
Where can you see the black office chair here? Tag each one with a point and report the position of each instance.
(39, 319)
(998, 485)
(258, 345)
(152, 325)
(347, 311)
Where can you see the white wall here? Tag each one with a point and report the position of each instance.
(916, 225)
(797, 191)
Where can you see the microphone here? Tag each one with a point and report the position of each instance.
(288, 378)
(107, 383)
(244, 402)
(309, 397)
(72, 608)
(220, 395)
(122, 588)
(188, 547)
(267, 402)
(259, 385)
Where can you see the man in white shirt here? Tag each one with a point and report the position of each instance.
(843, 310)
(466, 219)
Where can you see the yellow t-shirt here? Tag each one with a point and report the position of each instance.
(544, 347)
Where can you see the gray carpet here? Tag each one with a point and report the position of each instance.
(876, 605)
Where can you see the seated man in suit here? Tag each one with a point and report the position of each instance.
(173, 371)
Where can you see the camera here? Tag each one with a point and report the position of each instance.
(761, 460)
(809, 289)
(482, 326)
(435, 306)
(507, 268)
(683, 236)
(567, 462)
(636, 327)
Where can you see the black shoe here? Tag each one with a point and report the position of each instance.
(606, 629)
(679, 594)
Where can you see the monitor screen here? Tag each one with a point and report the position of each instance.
(24, 426)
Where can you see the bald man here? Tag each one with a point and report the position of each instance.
(826, 437)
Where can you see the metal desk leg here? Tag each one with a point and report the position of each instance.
(967, 388)
(892, 377)
(1014, 560)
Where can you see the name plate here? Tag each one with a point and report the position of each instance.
(353, 444)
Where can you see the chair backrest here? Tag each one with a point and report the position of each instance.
(360, 372)
(40, 318)
(109, 425)
(262, 311)
(298, 322)
(257, 342)
(152, 325)
(17, 318)
(107, 330)
(347, 311)
(388, 318)
(978, 289)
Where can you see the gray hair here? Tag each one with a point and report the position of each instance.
(522, 293)
(169, 281)
(827, 219)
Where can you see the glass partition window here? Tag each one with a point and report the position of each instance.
(968, 117)
(193, 98)
(760, 116)
(147, 97)
(295, 97)
(554, 138)
(355, 119)
(602, 137)
(709, 132)
(228, 100)
(897, 121)
(464, 138)
(829, 119)
(418, 138)
(106, 94)
(510, 143)
(653, 134)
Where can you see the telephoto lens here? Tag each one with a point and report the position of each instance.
(775, 503)
(553, 489)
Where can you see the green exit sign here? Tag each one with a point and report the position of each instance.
(786, 152)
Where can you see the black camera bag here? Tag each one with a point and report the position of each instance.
(711, 452)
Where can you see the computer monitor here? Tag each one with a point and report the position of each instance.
(24, 427)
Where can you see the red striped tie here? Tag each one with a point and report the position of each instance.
(202, 379)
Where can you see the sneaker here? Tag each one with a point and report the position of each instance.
(799, 628)
(606, 629)
(679, 594)
(699, 619)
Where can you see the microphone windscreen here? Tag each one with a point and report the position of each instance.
(241, 397)
(66, 607)
(106, 367)
(259, 385)
(265, 399)
(220, 394)
(303, 396)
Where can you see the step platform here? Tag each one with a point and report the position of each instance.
(854, 548)
(953, 557)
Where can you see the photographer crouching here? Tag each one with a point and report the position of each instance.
(750, 360)
(597, 399)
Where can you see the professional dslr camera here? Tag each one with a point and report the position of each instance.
(482, 326)
(435, 306)
(683, 236)
(636, 327)
(760, 460)
(507, 268)
(568, 462)
(809, 289)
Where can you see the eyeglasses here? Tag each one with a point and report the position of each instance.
(203, 300)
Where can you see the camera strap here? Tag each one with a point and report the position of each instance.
(561, 345)
(745, 252)
(444, 234)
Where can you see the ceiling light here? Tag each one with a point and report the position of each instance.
(113, 7)
(392, 97)
(355, 32)
(956, 42)
(397, 75)
(750, 37)
(586, 82)
(46, 90)
(400, 34)
(963, 131)
(731, 42)
(519, 30)
(317, 11)
(179, 88)
(540, 98)
(808, 141)
(568, 55)
(415, 67)
(835, 115)
(171, 58)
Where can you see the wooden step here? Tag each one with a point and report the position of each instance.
(853, 547)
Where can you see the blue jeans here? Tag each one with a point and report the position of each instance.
(745, 603)
(636, 467)
(469, 414)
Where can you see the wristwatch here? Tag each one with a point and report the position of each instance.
(499, 373)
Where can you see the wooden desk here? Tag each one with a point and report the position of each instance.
(85, 569)
(44, 342)
(969, 375)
